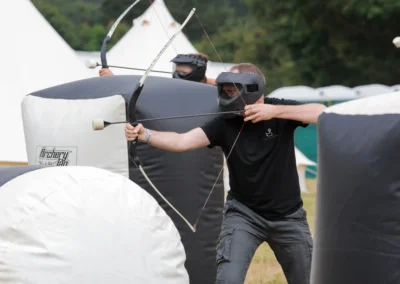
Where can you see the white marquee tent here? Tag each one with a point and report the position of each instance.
(301, 163)
(34, 57)
(145, 39)
(337, 93)
(328, 93)
(148, 35)
(373, 89)
(305, 93)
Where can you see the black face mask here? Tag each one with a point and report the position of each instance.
(196, 75)
(197, 65)
(252, 88)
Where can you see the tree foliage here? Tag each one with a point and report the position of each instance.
(295, 42)
(76, 21)
(328, 42)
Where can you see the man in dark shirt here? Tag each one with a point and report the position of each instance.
(264, 203)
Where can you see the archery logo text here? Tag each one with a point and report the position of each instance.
(56, 156)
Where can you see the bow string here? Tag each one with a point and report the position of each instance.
(240, 131)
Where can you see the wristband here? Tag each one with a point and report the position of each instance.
(148, 135)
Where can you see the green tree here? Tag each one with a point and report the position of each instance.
(76, 21)
(59, 22)
(242, 40)
(212, 14)
(110, 10)
(330, 42)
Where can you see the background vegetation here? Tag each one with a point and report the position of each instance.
(315, 43)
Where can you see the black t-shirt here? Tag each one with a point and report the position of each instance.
(262, 165)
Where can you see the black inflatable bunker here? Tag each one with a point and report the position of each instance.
(357, 233)
(185, 179)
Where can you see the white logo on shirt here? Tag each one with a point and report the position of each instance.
(269, 134)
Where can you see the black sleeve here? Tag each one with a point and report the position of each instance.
(293, 123)
(212, 129)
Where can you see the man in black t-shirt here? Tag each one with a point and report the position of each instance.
(264, 203)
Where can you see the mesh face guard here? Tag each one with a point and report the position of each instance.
(197, 65)
(251, 88)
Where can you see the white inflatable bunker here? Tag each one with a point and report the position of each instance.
(58, 132)
(84, 225)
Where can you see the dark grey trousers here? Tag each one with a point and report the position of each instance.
(243, 231)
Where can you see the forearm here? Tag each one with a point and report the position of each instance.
(169, 141)
(211, 82)
(307, 113)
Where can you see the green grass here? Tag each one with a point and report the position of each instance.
(264, 269)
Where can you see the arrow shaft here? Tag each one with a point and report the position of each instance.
(179, 116)
(138, 69)
(190, 115)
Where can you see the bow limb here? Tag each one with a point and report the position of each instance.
(233, 145)
(134, 121)
(103, 52)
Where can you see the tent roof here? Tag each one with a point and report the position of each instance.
(216, 68)
(388, 103)
(328, 93)
(337, 93)
(149, 34)
(35, 57)
(372, 90)
(302, 93)
(395, 88)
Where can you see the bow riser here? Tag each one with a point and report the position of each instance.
(134, 122)
(103, 52)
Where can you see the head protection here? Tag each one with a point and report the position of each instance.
(251, 89)
(198, 65)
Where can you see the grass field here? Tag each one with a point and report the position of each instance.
(264, 269)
